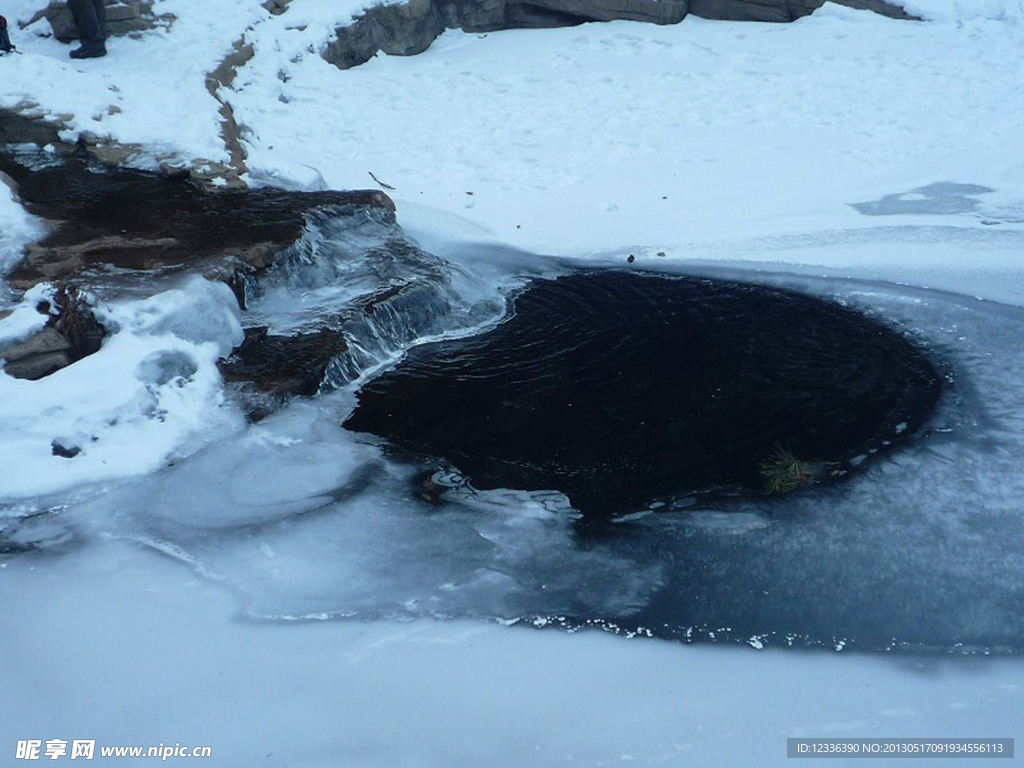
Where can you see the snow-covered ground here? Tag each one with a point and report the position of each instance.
(150, 91)
(877, 161)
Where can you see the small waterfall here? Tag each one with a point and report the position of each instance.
(356, 272)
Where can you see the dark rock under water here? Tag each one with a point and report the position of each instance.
(284, 366)
(620, 388)
(133, 220)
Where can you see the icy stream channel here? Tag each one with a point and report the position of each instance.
(307, 521)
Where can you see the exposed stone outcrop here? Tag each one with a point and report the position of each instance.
(26, 123)
(131, 220)
(409, 28)
(654, 11)
(116, 228)
(123, 17)
(38, 356)
(784, 10)
(276, 7)
(71, 333)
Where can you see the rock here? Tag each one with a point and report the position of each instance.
(276, 7)
(37, 366)
(46, 352)
(143, 221)
(123, 17)
(398, 30)
(742, 10)
(12, 185)
(45, 341)
(71, 333)
(21, 125)
(218, 81)
(110, 153)
(64, 451)
(784, 10)
(410, 28)
(26, 123)
(284, 366)
(654, 11)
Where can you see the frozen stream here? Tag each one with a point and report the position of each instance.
(306, 520)
(190, 578)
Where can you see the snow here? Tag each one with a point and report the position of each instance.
(25, 319)
(181, 540)
(17, 228)
(692, 140)
(152, 389)
(150, 91)
(1011, 11)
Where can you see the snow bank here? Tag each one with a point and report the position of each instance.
(588, 140)
(17, 228)
(152, 390)
(966, 10)
(281, 44)
(25, 319)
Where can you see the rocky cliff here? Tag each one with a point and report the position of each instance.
(409, 28)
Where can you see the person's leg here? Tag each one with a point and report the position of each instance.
(88, 21)
(101, 18)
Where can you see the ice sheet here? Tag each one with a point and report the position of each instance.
(127, 648)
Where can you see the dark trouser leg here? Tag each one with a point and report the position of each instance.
(101, 18)
(89, 16)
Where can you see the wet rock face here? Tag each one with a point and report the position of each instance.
(17, 128)
(284, 366)
(620, 389)
(124, 231)
(139, 221)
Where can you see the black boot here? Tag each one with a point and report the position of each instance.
(90, 18)
(89, 53)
